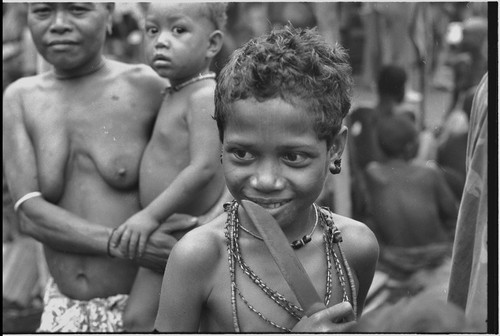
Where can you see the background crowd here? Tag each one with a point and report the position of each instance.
(420, 60)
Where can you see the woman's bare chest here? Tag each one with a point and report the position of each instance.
(102, 136)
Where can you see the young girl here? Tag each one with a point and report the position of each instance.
(280, 102)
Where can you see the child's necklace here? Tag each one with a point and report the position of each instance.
(200, 77)
(296, 244)
(331, 236)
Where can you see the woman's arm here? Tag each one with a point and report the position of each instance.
(42, 220)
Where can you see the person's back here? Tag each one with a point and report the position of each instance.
(410, 203)
(363, 131)
(404, 203)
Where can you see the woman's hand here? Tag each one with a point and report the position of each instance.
(161, 242)
(335, 319)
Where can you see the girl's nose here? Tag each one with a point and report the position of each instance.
(267, 178)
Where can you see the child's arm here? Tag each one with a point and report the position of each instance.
(204, 148)
(132, 235)
(187, 283)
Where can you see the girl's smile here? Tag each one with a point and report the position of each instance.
(272, 156)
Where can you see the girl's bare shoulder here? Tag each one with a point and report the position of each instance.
(358, 240)
(203, 245)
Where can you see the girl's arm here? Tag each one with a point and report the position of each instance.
(361, 250)
(187, 283)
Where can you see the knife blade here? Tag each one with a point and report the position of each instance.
(288, 263)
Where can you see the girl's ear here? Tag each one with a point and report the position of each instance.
(215, 43)
(337, 147)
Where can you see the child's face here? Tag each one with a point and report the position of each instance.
(177, 37)
(68, 35)
(273, 157)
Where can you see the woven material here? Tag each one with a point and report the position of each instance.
(62, 314)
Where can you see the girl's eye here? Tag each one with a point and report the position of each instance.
(242, 155)
(294, 158)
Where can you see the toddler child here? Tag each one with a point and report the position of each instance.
(280, 102)
(180, 169)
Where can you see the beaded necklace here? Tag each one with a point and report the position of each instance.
(296, 244)
(200, 77)
(331, 236)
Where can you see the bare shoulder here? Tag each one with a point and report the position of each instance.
(358, 242)
(138, 74)
(26, 84)
(428, 171)
(202, 96)
(22, 90)
(204, 246)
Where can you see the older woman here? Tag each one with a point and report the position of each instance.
(73, 140)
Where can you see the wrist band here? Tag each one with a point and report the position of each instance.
(109, 243)
(26, 197)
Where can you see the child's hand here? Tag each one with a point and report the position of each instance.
(132, 235)
(336, 319)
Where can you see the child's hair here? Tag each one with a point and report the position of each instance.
(296, 65)
(391, 82)
(216, 13)
(395, 134)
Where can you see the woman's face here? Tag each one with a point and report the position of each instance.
(69, 35)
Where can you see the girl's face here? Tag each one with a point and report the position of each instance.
(273, 157)
(177, 39)
(70, 36)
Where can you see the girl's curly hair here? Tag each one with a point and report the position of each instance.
(296, 65)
